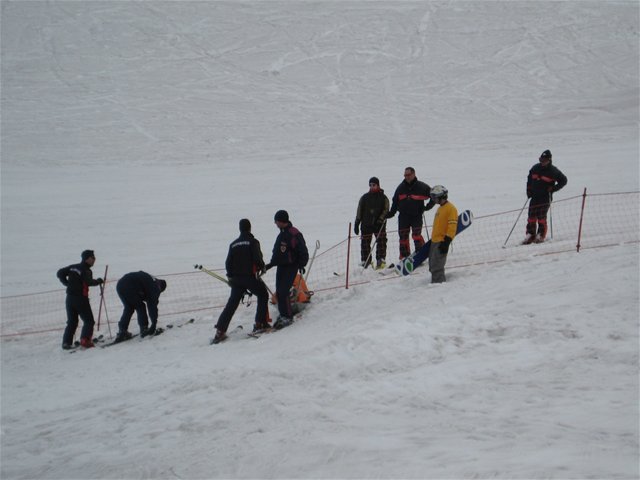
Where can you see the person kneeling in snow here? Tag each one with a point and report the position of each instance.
(445, 224)
(136, 289)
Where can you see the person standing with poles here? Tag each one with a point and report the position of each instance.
(244, 266)
(78, 278)
(372, 216)
(409, 199)
(290, 255)
(543, 179)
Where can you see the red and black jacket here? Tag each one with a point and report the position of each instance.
(77, 278)
(542, 181)
(409, 198)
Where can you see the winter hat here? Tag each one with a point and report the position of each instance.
(245, 225)
(281, 216)
(546, 154)
(87, 254)
(162, 284)
(374, 180)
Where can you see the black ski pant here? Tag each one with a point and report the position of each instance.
(78, 306)
(131, 302)
(413, 225)
(285, 276)
(369, 232)
(538, 208)
(239, 285)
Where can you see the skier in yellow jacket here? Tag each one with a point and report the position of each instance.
(445, 224)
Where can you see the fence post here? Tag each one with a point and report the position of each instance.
(584, 198)
(346, 284)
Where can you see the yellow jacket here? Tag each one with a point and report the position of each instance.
(445, 222)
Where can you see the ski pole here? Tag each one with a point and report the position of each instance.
(375, 242)
(106, 269)
(514, 225)
(312, 259)
(274, 299)
(212, 273)
(106, 315)
(426, 227)
(550, 218)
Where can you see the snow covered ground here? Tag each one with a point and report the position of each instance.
(145, 130)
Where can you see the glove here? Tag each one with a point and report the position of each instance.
(429, 205)
(267, 267)
(444, 245)
(302, 270)
(230, 280)
(528, 194)
(356, 228)
(390, 214)
(99, 281)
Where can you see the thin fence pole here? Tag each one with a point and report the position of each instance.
(346, 284)
(584, 199)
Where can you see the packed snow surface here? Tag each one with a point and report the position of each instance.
(146, 130)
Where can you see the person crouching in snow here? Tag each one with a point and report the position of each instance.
(445, 225)
(139, 292)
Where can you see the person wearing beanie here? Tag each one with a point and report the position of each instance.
(139, 292)
(290, 255)
(244, 266)
(78, 278)
(543, 179)
(408, 200)
(371, 219)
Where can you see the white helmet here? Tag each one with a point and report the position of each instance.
(439, 192)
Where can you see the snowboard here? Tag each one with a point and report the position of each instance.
(413, 261)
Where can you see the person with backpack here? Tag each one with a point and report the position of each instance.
(139, 292)
(543, 180)
(290, 255)
(78, 278)
(409, 199)
(244, 264)
(445, 225)
(372, 215)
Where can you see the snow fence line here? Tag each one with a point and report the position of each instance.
(575, 223)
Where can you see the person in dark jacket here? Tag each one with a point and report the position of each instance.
(78, 278)
(408, 200)
(139, 292)
(372, 215)
(543, 179)
(290, 255)
(244, 265)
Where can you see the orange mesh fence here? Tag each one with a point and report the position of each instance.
(607, 219)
